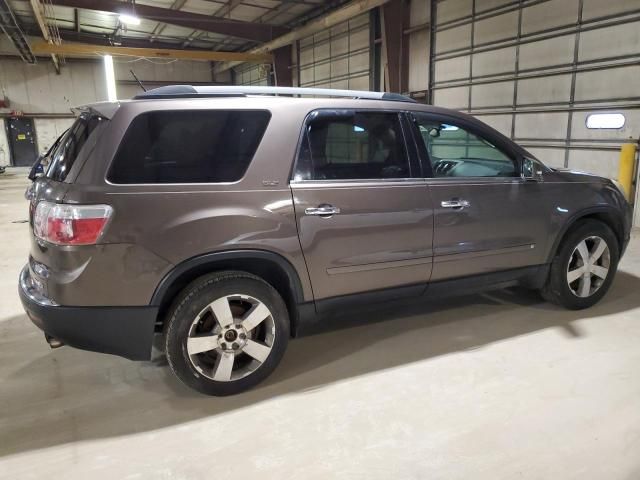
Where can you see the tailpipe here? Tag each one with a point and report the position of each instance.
(53, 342)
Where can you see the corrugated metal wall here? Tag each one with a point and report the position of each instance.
(338, 57)
(535, 69)
(419, 41)
(251, 74)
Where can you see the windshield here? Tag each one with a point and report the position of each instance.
(67, 148)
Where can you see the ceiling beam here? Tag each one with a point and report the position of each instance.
(9, 25)
(85, 50)
(38, 12)
(258, 32)
(107, 40)
(320, 9)
(220, 12)
(159, 28)
(348, 11)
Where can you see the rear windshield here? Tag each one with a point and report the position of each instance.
(198, 146)
(65, 152)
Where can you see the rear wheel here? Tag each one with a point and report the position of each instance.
(584, 266)
(227, 332)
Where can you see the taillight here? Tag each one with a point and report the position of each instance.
(70, 224)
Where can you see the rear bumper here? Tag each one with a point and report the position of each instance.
(124, 331)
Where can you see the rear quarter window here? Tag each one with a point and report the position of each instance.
(64, 153)
(196, 146)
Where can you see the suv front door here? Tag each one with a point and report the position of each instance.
(364, 215)
(487, 217)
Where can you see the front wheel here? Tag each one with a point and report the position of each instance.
(584, 266)
(227, 332)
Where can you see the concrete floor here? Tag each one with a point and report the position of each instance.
(497, 386)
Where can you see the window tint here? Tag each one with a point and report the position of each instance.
(66, 150)
(353, 145)
(189, 146)
(456, 152)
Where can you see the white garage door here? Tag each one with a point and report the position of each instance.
(337, 57)
(535, 70)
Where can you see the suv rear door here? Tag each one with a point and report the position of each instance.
(487, 217)
(363, 211)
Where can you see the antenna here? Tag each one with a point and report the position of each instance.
(137, 80)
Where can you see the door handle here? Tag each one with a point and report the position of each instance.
(455, 204)
(322, 210)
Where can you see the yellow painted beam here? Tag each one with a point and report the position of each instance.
(626, 167)
(38, 12)
(87, 50)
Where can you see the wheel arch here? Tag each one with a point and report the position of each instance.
(271, 267)
(607, 215)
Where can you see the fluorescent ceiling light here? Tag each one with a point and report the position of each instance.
(605, 120)
(129, 19)
(110, 77)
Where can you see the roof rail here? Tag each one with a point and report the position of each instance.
(189, 91)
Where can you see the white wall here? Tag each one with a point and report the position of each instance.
(49, 129)
(4, 145)
(151, 71)
(38, 91)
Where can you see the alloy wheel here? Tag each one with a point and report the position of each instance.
(588, 266)
(231, 338)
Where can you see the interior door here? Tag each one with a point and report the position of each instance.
(487, 217)
(364, 215)
(22, 142)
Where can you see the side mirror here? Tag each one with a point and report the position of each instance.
(37, 170)
(531, 170)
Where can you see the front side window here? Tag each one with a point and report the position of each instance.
(456, 152)
(352, 145)
(198, 146)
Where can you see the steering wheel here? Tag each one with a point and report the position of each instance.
(443, 167)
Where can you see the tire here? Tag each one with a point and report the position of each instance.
(227, 331)
(567, 284)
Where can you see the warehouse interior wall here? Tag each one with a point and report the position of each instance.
(252, 74)
(535, 70)
(419, 46)
(37, 91)
(337, 57)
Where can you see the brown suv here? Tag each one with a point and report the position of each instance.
(227, 219)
